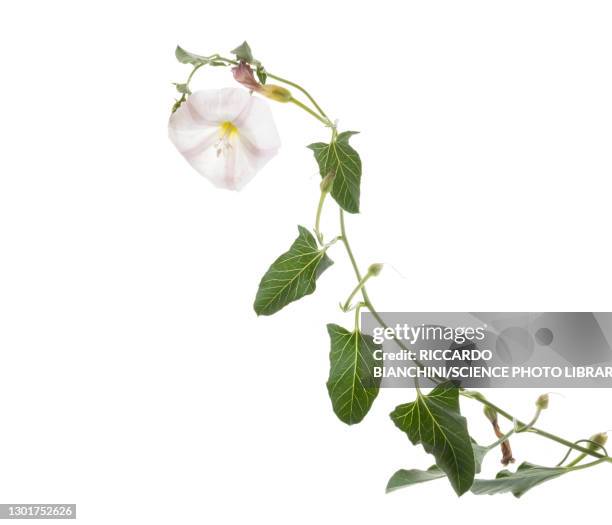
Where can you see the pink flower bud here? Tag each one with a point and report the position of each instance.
(243, 73)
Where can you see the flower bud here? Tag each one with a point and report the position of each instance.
(244, 75)
(542, 402)
(598, 439)
(327, 181)
(278, 93)
(375, 269)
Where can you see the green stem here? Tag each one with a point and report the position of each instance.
(192, 73)
(516, 429)
(300, 88)
(501, 439)
(480, 398)
(324, 120)
(587, 465)
(577, 460)
(366, 298)
(357, 311)
(359, 287)
(531, 423)
(364, 293)
(317, 228)
(569, 450)
(349, 251)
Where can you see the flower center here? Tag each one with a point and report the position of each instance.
(226, 131)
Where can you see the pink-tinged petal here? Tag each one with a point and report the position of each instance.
(215, 106)
(256, 125)
(257, 158)
(229, 170)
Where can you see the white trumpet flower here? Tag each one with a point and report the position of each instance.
(227, 135)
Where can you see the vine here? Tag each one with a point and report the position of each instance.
(432, 419)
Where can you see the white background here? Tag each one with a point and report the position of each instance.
(137, 381)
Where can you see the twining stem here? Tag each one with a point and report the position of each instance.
(300, 88)
(355, 291)
(324, 120)
(569, 451)
(317, 226)
(357, 317)
(587, 465)
(501, 439)
(349, 251)
(480, 398)
(195, 68)
(516, 429)
(364, 293)
(577, 460)
(531, 423)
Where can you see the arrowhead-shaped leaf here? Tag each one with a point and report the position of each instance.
(292, 276)
(434, 420)
(340, 158)
(185, 57)
(243, 52)
(351, 385)
(525, 478)
(405, 478)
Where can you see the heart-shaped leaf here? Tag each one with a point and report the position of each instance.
(434, 420)
(351, 385)
(293, 275)
(340, 158)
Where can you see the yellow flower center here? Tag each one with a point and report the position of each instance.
(227, 129)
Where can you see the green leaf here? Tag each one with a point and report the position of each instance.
(185, 57)
(405, 478)
(525, 478)
(434, 420)
(351, 385)
(293, 275)
(340, 158)
(243, 52)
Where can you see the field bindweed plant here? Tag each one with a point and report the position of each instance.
(228, 135)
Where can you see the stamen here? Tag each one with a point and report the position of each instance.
(226, 131)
